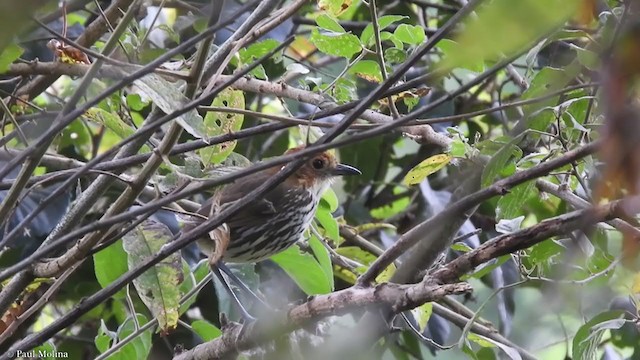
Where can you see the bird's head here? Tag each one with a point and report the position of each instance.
(317, 172)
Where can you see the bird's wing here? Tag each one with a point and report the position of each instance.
(253, 214)
(256, 213)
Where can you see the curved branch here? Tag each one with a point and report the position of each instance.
(398, 297)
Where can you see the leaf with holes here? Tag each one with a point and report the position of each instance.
(158, 287)
(218, 123)
(168, 98)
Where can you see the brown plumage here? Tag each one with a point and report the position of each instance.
(275, 222)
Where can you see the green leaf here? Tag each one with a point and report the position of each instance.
(479, 340)
(201, 270)
(589, 335)
(9, 54)
(324, 259)
(329, 23)
(187, 285)
(383, 22)
(394, 208)
(368, 70)
(330, 200)
(458, 148)
(254, 51)
(134, 101)
(109, 264)
(506, 26)
(304, 269)
(336, 44)
(394, 55)
(158, 287)
(466, 348)
(385, 35)
(344, 90)
(365, 258)
(487, 343)
(168, 98)
(450, 48)
(138, 348)
(546, 80)
(499, 161)
(329, 224)
(487, 268)
(543, 253)
(104, 337)
(510, 205)
(588, 58)
(426, 168)
(218, 123)
(460, 246)
(75, 135)
(113, 122)
(205, 330)
(410, 34)
(47, 348)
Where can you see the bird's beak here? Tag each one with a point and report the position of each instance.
(342, 169)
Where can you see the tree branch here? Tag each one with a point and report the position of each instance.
(434, 248)
(525, 238)
(398, 297)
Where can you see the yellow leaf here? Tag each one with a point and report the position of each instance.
(636, 284)
(365, 258)
(422, 314)
(426, 168)
(334, 7)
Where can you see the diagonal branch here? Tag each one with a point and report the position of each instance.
(434, 248)
(525, 238)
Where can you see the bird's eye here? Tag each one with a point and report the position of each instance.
(318, 164)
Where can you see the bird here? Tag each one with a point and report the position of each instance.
(268, 225)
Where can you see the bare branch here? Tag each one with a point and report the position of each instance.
(398, 297)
